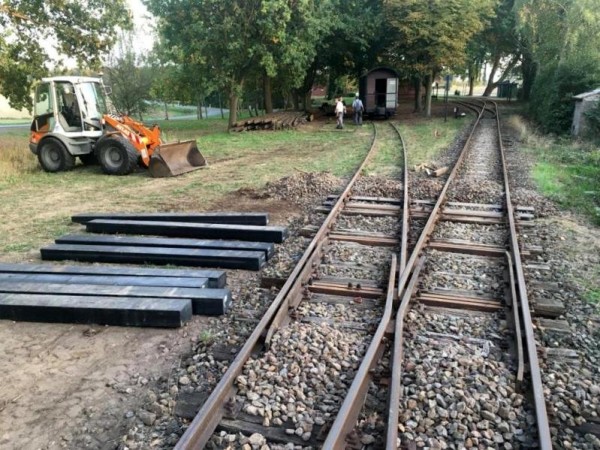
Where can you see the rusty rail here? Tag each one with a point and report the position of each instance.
(353, 403)
(348, 414)
(544, 437)
(204, 424)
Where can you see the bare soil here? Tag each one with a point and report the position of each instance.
(75, 386)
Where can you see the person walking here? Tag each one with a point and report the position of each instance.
(358, 108)
(340, 110)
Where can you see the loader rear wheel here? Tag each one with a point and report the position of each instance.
(54, 156)
(117, 155)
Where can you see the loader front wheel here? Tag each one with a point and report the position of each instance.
(54, 157)
(116, 155)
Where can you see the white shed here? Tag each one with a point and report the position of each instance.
(583, 102)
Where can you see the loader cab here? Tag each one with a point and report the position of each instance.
(66, 105)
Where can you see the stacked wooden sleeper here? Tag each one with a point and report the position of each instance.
(227, 240)
(110, 295)
(139, 296)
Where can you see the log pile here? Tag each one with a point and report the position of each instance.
(276, 121)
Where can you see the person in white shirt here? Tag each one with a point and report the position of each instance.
(358, 108)
(340, 110)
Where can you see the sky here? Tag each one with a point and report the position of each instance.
(143, 25)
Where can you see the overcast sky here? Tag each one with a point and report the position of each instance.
(143, 25)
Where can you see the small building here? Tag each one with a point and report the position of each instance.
(583, 103)
(378, 89)
(507, 89)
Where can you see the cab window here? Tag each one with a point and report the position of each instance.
(43, 100)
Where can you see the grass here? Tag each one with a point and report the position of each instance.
(568, 172)
(37, 206)
(427, 139)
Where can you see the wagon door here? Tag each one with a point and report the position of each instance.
(391, 97)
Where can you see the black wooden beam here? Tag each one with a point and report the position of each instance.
(58, 278)
(204, 301)
(230, 218)
(230, 259)
(216, 278)
(189, 230)
(124, 311)
(144, 241)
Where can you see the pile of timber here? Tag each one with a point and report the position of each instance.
(226, 240)
(105, 295)
(274, 121)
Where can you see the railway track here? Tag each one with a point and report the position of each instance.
(463, 304)
(448, 327)
(287, 383)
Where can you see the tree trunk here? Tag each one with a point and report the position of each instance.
(268, 93)
(471, 85)
(472, 77)
(166, 111)
(233, 107)
(199, 109)
(296, 99)
(428, 92)
(307, 101)
(529, 72)
(491, 85)
(418, 103)
(221, 106)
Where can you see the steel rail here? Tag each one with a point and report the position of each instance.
(544, 436)
(393, 412)
(348, 413)
(514, 304)
(406, 204)
(354, 400)
(210, 414)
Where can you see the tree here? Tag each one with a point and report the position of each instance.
(82, 30)
(223, 38)
(432, 35)
(502, 43)
(130, 79)
(562, 41)
(290, 55)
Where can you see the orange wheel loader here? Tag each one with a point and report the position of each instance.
(72, 120)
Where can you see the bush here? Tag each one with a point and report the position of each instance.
(552, 102)
(593, 118)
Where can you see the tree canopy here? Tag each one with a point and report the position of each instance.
(32, 34)
(255, 51)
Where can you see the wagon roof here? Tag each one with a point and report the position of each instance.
(389, 69)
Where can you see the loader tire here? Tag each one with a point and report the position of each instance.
(54, 156)
(116, 155)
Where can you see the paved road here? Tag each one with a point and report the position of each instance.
(20, 128)
(17, 128)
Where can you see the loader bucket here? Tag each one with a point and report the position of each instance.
(170, 160)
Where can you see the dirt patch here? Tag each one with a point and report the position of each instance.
(78, 386)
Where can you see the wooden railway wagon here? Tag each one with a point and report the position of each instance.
(378, 89)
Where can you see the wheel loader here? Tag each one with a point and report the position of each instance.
(74, 119)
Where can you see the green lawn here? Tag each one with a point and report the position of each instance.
(569, 173)
(37, 206)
